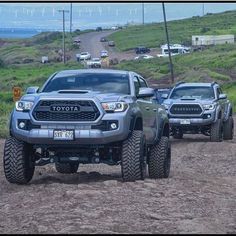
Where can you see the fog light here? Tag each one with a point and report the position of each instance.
(113, 125)
(21, 125)
(209, 116)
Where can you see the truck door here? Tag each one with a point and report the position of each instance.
(148, 108)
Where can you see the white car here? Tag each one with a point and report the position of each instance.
(143, 57)
(104, 53)
(114, 28)
(94, 63)
(83, 56)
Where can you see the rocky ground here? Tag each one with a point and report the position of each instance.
(198, 197)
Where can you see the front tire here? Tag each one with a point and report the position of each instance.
(160, 159)
(18, 161)
(228, 129)
(216, 131)
(133, 163)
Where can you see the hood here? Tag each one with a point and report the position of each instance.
(76, 94)
(187, 101)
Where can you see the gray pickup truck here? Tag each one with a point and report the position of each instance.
(89, 116)
(200, 108)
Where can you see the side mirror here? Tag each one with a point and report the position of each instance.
(32, 90)
(222, 96)
(164, 96)
(145, 92)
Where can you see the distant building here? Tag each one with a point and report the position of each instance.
(203, 40)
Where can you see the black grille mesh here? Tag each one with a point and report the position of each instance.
(185, 109)
(42, 111)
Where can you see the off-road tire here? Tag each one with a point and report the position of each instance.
(216, 131)
(133, 163)
(160, 159)
(228, 129)
(66, 168)
(18, 161)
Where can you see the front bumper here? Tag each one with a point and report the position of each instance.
(192, 121)
(83, 132)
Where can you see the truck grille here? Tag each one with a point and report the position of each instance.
(186, 109)
(62, 110)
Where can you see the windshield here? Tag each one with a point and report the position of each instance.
(193, 93)
(102, 82)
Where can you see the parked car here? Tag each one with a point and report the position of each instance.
(83, 56)
(77, 40)
(103, 39)
(142, 49)
(88, 116)
(200, 108)
(99, 29)
(143, 57)
(104, 53)
(94, 63)
(111, 43)
(114, 27)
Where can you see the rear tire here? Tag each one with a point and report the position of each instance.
(66, 168)
(160, 159)
(216, 131)
(18, 161)
(228, 129)
(133, 160)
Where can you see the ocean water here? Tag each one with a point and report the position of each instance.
(19, 20)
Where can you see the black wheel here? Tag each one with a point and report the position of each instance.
(18, 161)
(160, 159)
(66, 168)
(216, 131)
(178, 134)
(228, 129)
(133, 157)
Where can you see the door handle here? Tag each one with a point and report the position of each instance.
(154, 109)
(147, 108)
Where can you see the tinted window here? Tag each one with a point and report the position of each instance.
(136, 85)
(103, 82)
(142, 83)
(193, 92)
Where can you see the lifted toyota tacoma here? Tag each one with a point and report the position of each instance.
(89, 116)
(200, 108)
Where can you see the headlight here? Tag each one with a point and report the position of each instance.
(209, 106)
(24, 105)
(114, 106)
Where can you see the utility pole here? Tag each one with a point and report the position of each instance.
(63, 18)
(143, 12)
(70, 17)
(203, 10)
(168, 44)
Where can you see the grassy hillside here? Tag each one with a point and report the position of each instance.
(180, 31)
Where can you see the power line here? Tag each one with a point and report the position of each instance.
(143, 12)
(63, 39)
(168, 44)
(70, 17)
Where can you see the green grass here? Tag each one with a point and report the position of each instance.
(180, 31)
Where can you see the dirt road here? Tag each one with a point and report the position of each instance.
(199, 196)
(90, 42)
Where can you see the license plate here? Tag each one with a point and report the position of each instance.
(63, 135)
(185, 122)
